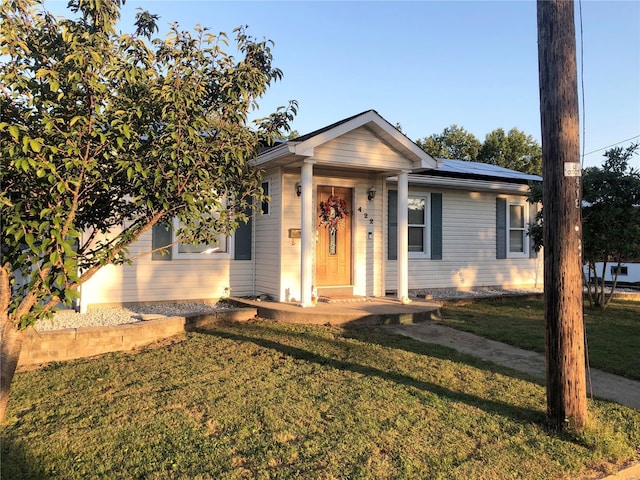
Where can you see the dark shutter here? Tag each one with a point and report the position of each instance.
(436, 226)
(501, 228)
(266, 207)
(242, 239)
(392, 225)
(161, 236)
(533, 210)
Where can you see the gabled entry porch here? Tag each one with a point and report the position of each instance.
(333, 189)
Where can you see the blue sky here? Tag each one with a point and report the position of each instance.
(426, 64)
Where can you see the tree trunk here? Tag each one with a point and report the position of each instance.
(601, 292)
(563, 295)
(10, 347)
(613, 285)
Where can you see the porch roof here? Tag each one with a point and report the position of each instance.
(295, 151)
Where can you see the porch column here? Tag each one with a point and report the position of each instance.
(308, 233)
(403, 236)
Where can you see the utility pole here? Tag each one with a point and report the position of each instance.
(562, 199)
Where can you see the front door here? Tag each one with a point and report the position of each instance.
(333, 249)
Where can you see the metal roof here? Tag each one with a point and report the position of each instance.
(462, 167)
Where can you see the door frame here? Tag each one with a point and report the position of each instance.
(327, 182)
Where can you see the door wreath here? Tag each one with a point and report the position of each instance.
(332, 211)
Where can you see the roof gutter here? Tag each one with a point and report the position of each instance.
(465, 184)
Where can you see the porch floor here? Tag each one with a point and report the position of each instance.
(355, 310)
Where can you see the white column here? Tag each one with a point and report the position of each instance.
(403, 236)
(308, 234)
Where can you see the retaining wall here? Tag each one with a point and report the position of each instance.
(73, 343)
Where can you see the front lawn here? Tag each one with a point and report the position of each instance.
(270, 400)
(613, 335)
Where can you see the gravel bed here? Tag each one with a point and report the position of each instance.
(446, 293)
(101, 317)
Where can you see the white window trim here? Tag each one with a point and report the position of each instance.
(177, 255)
(525, 236)
(426, 241)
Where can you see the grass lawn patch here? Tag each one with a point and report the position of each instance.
(613, 335)
(269, 400)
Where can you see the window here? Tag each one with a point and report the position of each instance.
(266, 205)
(622, 271)
(425, 225)
(185, 250)
(512, 222)
(241, 246)
(418, 222)
(516, 227)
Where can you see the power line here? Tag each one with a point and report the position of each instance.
(584, 114)
(612, 145)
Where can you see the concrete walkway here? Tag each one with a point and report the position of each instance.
(605, 385)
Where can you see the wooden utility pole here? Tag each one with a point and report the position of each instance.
(562, 196)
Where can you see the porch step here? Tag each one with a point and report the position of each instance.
(343, 299)
(336, 291)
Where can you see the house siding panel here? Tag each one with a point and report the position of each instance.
(147, 280)
(360, 148)
(468, 250)
(267, 240)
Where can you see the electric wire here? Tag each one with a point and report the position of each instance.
(613, 144)
(584, 326)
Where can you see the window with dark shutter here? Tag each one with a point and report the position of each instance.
(161, 236)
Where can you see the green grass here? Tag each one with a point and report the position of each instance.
(268, 400)
(613, 335)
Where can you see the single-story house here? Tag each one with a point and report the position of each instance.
(356, 208)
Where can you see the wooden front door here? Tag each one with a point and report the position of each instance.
(333, 249)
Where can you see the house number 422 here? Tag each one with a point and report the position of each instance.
(366, 215)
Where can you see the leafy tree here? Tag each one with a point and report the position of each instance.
(515, 150)
(610, 218)
(104, 135)
(454, 143)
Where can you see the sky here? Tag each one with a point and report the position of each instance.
(429, 64)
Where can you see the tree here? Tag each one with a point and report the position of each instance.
(454, 142)
(104, 135)
(611, 218)
(515, 150)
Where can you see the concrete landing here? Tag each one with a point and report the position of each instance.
(374, 311)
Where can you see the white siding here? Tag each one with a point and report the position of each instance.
(267, 240)
(147, 280)
(468, 249)
(289, 258)
(360, 148)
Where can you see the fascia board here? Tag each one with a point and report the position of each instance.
(273, 153)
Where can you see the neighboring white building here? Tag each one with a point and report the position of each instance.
(414, 222)
(628, 272)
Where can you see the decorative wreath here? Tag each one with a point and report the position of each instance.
(332, 211)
